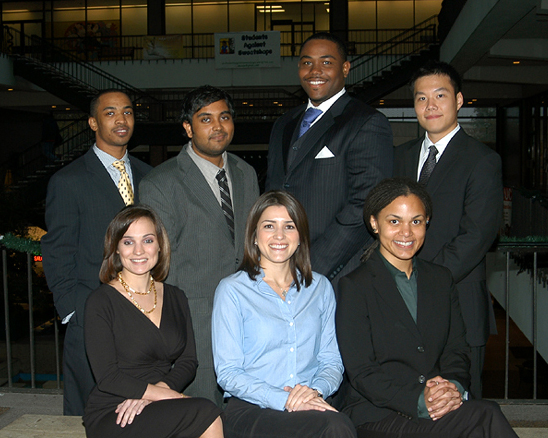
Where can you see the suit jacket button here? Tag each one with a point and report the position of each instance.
(420, 349)
(286, 186)
(295, 148)
(422, 379)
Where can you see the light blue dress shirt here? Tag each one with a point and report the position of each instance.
(262, 343)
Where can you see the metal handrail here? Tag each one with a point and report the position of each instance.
(66, 64)
(88, 78)
(507, 248)
(387, 54)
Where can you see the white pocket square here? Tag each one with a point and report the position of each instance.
(324, 153)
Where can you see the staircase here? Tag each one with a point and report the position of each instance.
(390, 65)
(76, 82)
(373, 75)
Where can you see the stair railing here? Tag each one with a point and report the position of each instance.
(387, 54)
(86, 79)
(65, 66)
(33, 162)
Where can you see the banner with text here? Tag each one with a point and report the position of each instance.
(247, 49)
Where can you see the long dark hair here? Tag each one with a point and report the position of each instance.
(301, 269)
(383, 194)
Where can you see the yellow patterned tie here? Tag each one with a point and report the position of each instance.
(124, 184)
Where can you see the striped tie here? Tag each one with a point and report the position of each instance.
(428, 166)
(226, 203)
(124, 184)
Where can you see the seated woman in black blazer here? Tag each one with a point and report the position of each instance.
(401, 333)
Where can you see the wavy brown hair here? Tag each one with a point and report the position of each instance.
(115, 232)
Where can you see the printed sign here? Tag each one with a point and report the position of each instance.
(247, 49)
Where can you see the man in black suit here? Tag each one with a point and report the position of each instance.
(329, 153)
(464, 179)
(81, 201)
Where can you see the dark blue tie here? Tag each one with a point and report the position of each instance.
(310, 115)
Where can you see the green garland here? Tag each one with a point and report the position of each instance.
(527, 239)
(20, 244)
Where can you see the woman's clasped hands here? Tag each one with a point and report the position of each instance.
(304, 398)
(441, 397)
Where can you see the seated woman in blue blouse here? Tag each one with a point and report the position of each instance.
(401, 332)
(274, 344)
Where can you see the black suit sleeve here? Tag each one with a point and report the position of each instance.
(480, 220)
(60, 244)
(455, 357)
(368, 161)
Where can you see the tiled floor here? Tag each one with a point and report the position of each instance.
(44, 426)
(50, 426)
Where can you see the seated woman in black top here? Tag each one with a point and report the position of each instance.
(401, 333)
(140, 342)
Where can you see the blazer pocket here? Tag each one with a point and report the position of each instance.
(331, 161)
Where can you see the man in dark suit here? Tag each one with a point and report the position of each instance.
(203, 197)
(329, 153)
(81, 201)
(464, 179)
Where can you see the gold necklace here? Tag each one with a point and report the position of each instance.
(135, 303)
(127, 286)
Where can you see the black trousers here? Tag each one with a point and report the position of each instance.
(78, 378)
(242, 419)
(474, 419)
(477, 358)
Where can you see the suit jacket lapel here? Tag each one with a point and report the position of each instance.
(237, 195)
(411, 159)
(102, 180)
(289, 133)
(310, 142)
(193, 178)
(448, 159)
(386, 288)
(137, 177)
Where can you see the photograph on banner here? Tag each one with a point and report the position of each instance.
(247, 49)
(163, 47)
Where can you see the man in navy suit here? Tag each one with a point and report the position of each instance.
(81, 201)
(329, 153)
(464, 179)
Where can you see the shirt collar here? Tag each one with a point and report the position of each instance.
(324, 106)
(205, 163)
(441, 144)
(392, 269)
(108, 159)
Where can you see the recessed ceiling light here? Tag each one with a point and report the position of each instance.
(516, 62)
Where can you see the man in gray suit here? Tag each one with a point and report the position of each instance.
(203, 197)
(82, 199)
